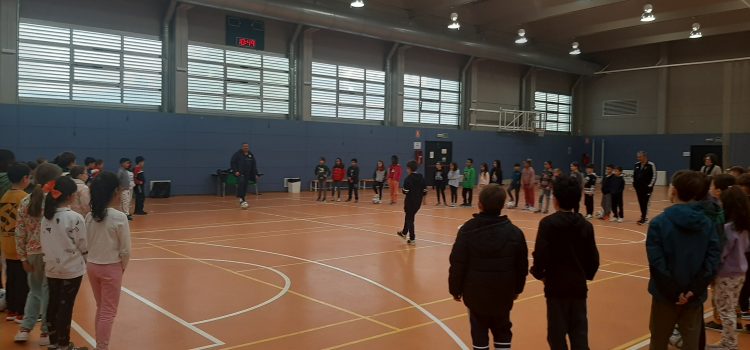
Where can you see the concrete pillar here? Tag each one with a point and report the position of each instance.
(8, 51)
(726, 114)
(396, 115)
(305, 72)
(179, 85)
(662, 99)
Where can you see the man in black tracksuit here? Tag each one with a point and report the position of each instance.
(244, 167)
(565, 257)
(352, 177)
(489, 264)
(415, 189)
(644, 178)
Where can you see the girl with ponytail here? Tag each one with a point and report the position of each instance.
(109, 252)
(29, 247)
(64, 245)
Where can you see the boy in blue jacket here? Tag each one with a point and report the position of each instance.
(683, 254)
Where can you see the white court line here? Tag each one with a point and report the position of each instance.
(624, 274)
(211, 338)
(86, 336)
(424, 311)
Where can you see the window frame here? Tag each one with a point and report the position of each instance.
(365, 95)
(549, 112)
(439, 102)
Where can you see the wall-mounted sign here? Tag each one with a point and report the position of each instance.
(417, 145)
(245, 32)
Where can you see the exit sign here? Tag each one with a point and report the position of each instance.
(246, 33)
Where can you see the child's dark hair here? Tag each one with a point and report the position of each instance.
(723, 181)
(548, 162)
(690, 185)
(453, 166)
(575, 164)
(394, 159)
(67, 188)
(619, 168)
(516, 165)
(737, 169)
(736, 207)
(88, 161)
(354, 160)
(567, 191)
(17, 171)
(43, 174)
(99, 162)
(484, 168)
(590, 166)
(323, 158)
(470, 160)
(412, 165)
(6, 159)
(65, 159)
(492, 199)
(77, 171)
(103, 189)
(611, 166)
(380, 167)
(714, 159)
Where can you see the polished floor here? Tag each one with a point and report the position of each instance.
(293, 273)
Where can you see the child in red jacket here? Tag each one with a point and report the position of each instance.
(338, 176)
(394, 178)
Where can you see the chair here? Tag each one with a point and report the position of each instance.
(232, 181)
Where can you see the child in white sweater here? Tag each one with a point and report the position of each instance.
(81, 203)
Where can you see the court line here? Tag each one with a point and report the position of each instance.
(626, 274)
(85, 335)
(266, 340)
(645, 340)
(436, 320)
(249, 235)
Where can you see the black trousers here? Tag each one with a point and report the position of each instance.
(454, 194)
(62, 297)
(499, 325)
(618, 209)
(567, 317)
(643, 194)
(140, 198)
(440, 191)
(242, 187)
(354, 187)
(589, 202)
(409, 222)
(745, 292)
(515, 190)
(378, 188)
(18, 286)
(467, 193)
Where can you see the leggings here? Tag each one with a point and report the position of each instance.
(440, 191)
(454, 194)
(62, 297)
(467, 193)
(378, 188)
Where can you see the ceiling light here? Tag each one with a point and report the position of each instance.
(358, 3)
(521, 39)
(696, 32)
(454, 22)
(575, 50)
(648, 13)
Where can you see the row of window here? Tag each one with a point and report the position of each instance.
(69, 64)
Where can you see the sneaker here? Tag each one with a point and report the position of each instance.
(676, 339)
(130, 217)
(599, 215)
(401, 234)
(11, 316)
(141, 213)
(453, 205)
(44, 340)
(589, 217)
(612, 219)
(19, 319)
(545, 212)
(411, 242)
(339, 200)
(745, 315)
(532, 209)
(23, 336)
(72, 346)
(641, 222)
(244, 205)
(713, 326)
(619, 220)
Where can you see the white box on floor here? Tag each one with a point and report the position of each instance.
(294, 187)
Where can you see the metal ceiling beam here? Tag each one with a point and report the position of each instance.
(391, 30)
(561, 10)
(673, 36)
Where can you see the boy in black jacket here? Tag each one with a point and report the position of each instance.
(414, 189)
(489, 264)
(565, 257)
(352, 175)
(618, 188)
(322, 172)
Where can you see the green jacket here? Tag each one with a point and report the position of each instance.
(470, 177)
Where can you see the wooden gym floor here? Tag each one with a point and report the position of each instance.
(292, 273)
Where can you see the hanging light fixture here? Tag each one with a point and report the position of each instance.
(521, 39)
(696, 32)
(454, 22)
(648, 13)
(357, 3)
(575, 50)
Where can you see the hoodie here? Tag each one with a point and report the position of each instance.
(565, 255)
(339, 173)
(489, 263)
(683, 253)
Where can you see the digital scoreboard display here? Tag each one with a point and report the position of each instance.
(246, 33)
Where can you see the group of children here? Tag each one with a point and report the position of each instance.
(60, 222)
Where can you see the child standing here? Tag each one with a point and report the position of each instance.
(394, 178)
(607, 193)
(338, 175)
(352, 175)
(575, 172)
(82, 203)
(7, 158)
(488, 289)
(618, 190)
(484, 176)
(63, 234)
(321, 174)
(66, 161)
(439, 183)
(515, 186)
(565, 257)
(589, 189)
(469, 179)
(414, 189)
(108, 235)
(98, 167)
(454, 180)
(545, 185)
(139, 177)
(496, 173)
(125, 194)
(29, 247)
(16, 287)
(528, 181)
(90, 164)
(679, 281)
(379, 176)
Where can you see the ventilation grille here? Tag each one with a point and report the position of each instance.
(619, 108)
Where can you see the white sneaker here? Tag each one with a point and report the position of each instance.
(44, 339)
(244, 205)
(338, 199)
(589, 216)
(612, 219)
(599, 214)
(532, 209)
(619, 220)
(23, 336)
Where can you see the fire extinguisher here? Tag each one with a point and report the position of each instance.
(418, 156)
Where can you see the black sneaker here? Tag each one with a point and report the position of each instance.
(401, 234)
(141, 213)
(714, 326)
(411, 242)
(641, 221)
(130, 217)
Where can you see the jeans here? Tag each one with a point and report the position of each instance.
(567, 317)
(664, 317)
(38, 298)
(106, 281)
(409, 223)
(62, 298)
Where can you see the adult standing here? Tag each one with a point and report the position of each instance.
(245, 169)
(710, 168)
(644, 178)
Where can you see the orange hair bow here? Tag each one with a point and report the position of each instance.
(50, 188)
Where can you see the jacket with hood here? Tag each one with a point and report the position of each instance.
(683, 253)
(713, 210)
(565, 255)
(489, 263)
(339, 173)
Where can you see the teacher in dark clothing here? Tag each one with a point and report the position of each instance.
(244, 167)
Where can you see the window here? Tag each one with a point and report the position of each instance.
(347, 92)
(58, 63)
(558, 109)
(237, 80)
(431, 100)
